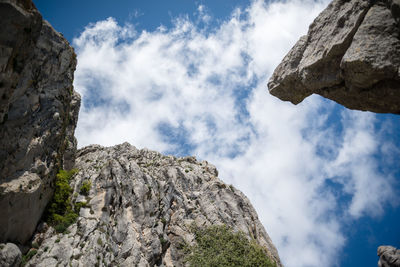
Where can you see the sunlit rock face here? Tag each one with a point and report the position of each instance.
(351, 55)
(140, 209)
(38, 115)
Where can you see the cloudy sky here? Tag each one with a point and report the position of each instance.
(190, 78)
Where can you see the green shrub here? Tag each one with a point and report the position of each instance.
(219, 246)
(28, 256)
(79, 205)
(163, 241)
(60, 212)
(35, 245)
(85, 188)
(62, 222)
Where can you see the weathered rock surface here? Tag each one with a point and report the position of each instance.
(10, 255)
(388, 256)
(38, 114)
(140, 208)
(351, 55)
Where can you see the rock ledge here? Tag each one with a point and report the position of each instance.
(351, 55)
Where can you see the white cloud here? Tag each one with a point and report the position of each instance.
(192, 89)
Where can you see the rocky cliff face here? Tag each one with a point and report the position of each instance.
(140, 208)
(130, 207)
(351, 55)
(38, 114)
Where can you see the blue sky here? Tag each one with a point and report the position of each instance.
(189, 77)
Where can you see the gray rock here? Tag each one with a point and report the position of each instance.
(141, 205)
(388, 256)
(10, 255)
(351, 55)
(38, 114)
(140, 208)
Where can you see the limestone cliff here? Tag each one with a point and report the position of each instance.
(139, 210)
(38, 114)
(351, 55)
(127, 207)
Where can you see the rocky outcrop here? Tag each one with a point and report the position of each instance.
(140, 208)
(351, 55)
(388, 256)
(38, 114)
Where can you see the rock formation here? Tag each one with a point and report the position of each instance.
(38, 114)
(10, 255)
(351, 55)
(140, 208)
(388, 256)
(130, 207)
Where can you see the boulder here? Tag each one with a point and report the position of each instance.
(10, 255)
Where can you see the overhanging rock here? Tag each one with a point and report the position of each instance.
(351, 55)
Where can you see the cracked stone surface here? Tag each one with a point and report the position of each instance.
(38, 115)
(140, 209)
(351, 55)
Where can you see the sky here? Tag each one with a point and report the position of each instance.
(190, 78)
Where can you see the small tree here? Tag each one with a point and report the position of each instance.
(85, 188)
(219, 246)
(60, 212)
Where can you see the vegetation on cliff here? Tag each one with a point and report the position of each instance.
(60, 212)
(219, 245)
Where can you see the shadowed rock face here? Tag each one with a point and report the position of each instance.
(351, 55)
(38, 114)
(140, 209)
